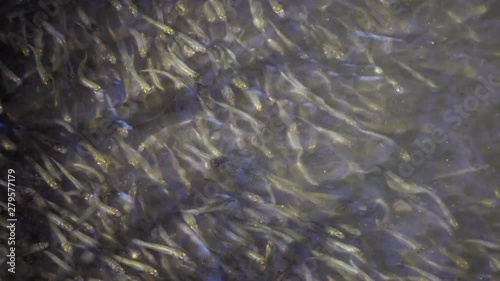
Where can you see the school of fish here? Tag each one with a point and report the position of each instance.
(219, 140)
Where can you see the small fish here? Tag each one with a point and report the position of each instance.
(180, 170)
(277, 8)
(178, 84)
(294, 139)
(414, 245)
(37, 247)
(192, 161)
(69, 216)
(50, 168)
(332, 46)
(459, 261)
(128, 61)
(198, 31)
(88, 23)
(153, 75)
(332, 135)
(39, 43)
(25, 49)
(133, 157)
(98, 157)
(43, 173)
(165, 28)
(288, 187)
(270, 248)
(303, 91)
(363, 98)
(63, 242)
(9, 74)
(438, 220)
(58, 37)
(56, 220)
(273, 44)
(209, 13)
(137, 265)
(161, 248)
(38, 200)
(303, 169)
(398, 184)
(334, 232)
(63, 265)
(484, 243)
(123, 127)
(219, 9)
(202, 250)
(256, 124)
(116, 4)
(229, 95)
(65, 114)
(90, 170)
(378, 70)
(377, 37)
(423, 273)
(260, 260)
(44, 76)
(85, 81)
(131, 6)
(104, 51)
(113, 265)
(345, 248)
(151, 141)
(239, 83)
(86, 240)
(288, 43)
(254, 198)
(344, 269)
(257, 13)
(154, 172)
(7, 144)
(417, 75)
(140, 41)
(197, 47)
(181, 66)
(181, 6)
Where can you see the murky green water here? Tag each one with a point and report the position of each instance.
(252, 140)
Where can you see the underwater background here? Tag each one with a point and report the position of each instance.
(250, 140)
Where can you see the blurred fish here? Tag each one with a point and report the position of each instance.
(140, 42)
(63, 265)
(9, 74)
(48, 178)
(137, 265)
(86, 82)
(42, 72)
(58, 37)
(161, 248)
(219, 9)
(277, 8)
(165, 28)
(399, 185)
(257, 13)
